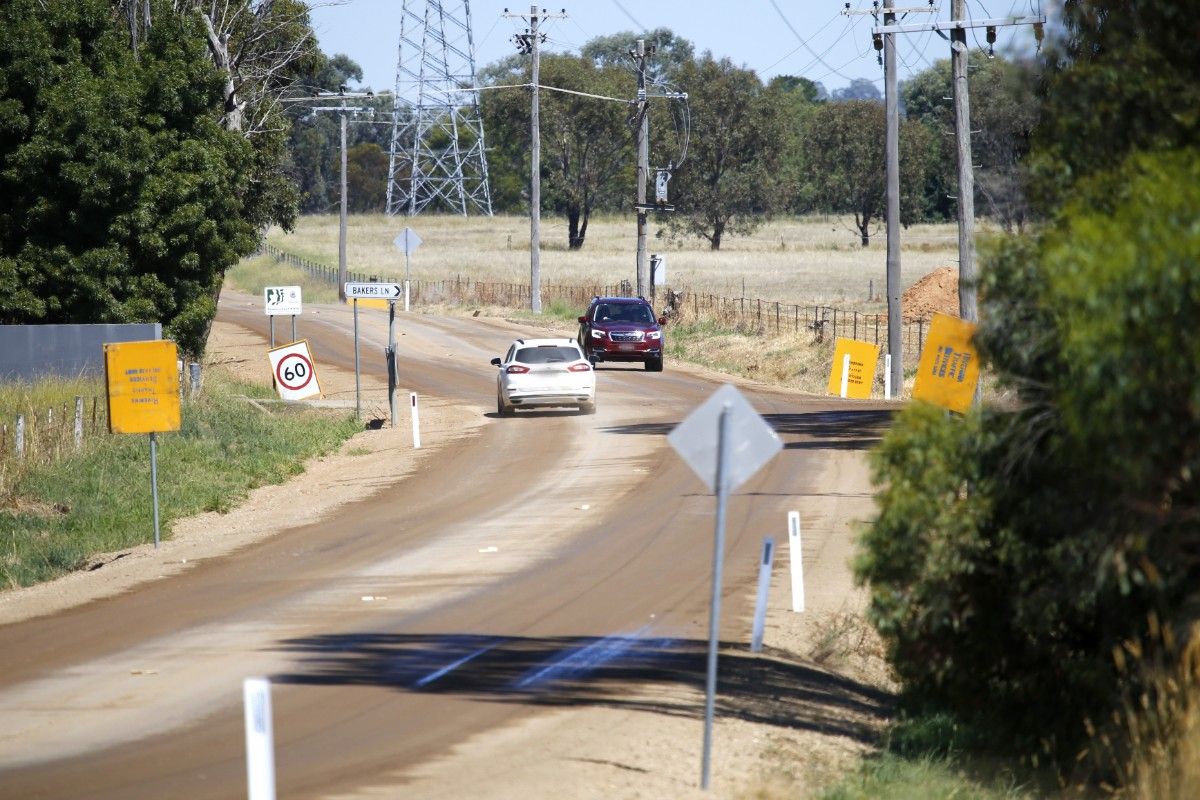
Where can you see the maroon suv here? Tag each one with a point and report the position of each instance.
(622, 329)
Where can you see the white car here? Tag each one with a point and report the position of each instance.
(544, 372)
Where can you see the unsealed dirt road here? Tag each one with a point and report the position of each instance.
(520, 609)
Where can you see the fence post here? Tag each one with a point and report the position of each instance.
(78, 422)
(920, 336)
(855, 324)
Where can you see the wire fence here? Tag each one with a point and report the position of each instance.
(745, 314)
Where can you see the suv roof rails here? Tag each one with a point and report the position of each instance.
(522, 341)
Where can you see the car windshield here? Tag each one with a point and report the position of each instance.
(625, 312)
(547, 354)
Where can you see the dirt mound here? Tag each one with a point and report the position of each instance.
(936, 293)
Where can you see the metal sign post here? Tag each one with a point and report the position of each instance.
(357, 384)
(391, 359)
(723, 467)
(407, 241)
(154, 483)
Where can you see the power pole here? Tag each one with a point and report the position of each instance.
(343, 111)
(967, 302)
(530, 42)
(535, 172)
(967, 277)
(892, 156)
(643, 168)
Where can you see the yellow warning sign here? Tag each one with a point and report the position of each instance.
(949, 367)
(143, 386)
(861, 375)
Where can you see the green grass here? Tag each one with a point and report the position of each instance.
(251, 275)
(892, 777)
(57, 515)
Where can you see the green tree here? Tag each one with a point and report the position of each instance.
(1019, 548)
(125, 198)
(726, 184)
(670, 52)
(1004, 114)
(366, 178)
(843, 162)
(586, 142)
(1123, 76)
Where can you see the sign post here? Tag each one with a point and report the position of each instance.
(744, 442)
(143, 397)
(282, 301)
(407, 242)
(355, 292)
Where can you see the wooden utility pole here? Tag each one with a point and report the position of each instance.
(643, 169)
(892, 156)
(342, 278)
(535, 174)
(967, 279)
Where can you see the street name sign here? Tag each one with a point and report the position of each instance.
(294, 371)
(387, 291)
(281, 301)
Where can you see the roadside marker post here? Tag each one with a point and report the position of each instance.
(887, 377)
(764, 586)
(390, 355)
(743, 444)
(796, 556)
(260, 739)
(416, 421)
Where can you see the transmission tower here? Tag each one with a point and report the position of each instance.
(437, 154)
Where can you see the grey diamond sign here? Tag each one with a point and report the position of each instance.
(752, 442)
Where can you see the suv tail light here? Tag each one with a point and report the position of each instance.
(579, 368)
(516, 369)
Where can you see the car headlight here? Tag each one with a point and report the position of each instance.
(597, 334)
(653, 334)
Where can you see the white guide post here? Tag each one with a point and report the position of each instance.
(416, 421)
(260, 739)
(797, 559)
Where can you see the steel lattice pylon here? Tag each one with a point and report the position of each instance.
(437, 154)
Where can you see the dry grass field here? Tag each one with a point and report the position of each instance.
(805, 261)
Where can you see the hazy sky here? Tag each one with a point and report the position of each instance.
(811, 38)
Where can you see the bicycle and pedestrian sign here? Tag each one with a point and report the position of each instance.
(294, 371)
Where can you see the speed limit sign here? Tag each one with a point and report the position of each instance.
(293, 370)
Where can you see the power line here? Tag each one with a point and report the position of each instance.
(805, 45)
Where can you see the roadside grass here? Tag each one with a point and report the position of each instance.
(806, 260)
(252, 274)
(892, 777)
(54, 517)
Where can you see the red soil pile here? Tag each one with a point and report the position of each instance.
(936, 293)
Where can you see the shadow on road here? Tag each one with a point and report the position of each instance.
(623, 672)
(819, 430)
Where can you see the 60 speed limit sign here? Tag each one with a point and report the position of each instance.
(293, 370)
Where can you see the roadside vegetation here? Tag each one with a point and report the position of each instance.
(57, 513)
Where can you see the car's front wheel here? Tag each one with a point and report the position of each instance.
(654, 364)
(587, 408)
